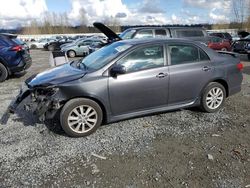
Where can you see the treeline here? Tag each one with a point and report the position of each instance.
(90, 29)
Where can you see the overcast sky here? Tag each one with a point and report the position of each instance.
(15, 13)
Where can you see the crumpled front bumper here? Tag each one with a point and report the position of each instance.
(44, 105)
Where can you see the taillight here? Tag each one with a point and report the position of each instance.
(17, 48)
(240, 66)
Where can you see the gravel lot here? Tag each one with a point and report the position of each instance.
(184, 148)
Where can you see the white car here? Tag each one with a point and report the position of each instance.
(39, 44)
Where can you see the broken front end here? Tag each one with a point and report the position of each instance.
(43, 101)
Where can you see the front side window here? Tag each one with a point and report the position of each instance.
(143, 58)
(181, 54)
(144, 34)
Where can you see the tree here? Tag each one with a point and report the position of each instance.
(240, 11)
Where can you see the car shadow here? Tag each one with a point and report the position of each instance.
(27, 118)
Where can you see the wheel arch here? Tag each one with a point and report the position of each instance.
(70, 50)
(104, 110)
(224, 84)
(221, 81)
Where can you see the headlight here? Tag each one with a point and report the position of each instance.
(46, 92)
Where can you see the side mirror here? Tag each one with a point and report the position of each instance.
(117, 69)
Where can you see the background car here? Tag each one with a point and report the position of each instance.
(217, 43)
(14, 56)
(40, 43)
(131, 78)
(192, 33)
(80, 48)
(55, 45)
(242, 46)
(224, 35)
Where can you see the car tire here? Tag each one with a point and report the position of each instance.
(224, 49)
(80, 117)
(71, 53)
(3, 73)
(248, 56)
(213, 97)
(51, 48)
(33, 46)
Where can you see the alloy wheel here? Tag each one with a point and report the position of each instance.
(82, 119)
(214, 98)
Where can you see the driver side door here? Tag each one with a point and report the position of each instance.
(144, 85)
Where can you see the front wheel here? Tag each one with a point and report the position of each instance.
(213, 97)
(71, 53)
(80, 117)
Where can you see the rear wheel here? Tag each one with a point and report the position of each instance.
(80, 117)
(3, 73)
(213, 97)
(71, 53)
(224, 49)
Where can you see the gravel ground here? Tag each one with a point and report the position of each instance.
(184, 148)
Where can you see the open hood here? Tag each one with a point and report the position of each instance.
(112, 36)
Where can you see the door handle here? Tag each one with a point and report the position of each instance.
(206, 68)
(161, 75)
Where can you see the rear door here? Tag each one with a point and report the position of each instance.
(190, 69)
(145, 83)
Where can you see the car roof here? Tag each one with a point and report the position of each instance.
(163, 27)
(156, 40)
(136, 42)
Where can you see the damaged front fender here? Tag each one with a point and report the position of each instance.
(44, 101)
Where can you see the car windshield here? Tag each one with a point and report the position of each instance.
(102, 57)
(127, 34)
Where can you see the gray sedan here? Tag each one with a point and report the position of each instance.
(133, 78)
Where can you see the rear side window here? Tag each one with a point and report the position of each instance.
(228, 36)
(5, 40)
(189, 33)
(203, 56)
(2, 43)
(182, 54)
(160, 33)
(144, 34)
(17, 41)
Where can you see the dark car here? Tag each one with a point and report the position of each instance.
(224, 35)
(242, 46)
(55, 45)
(192, 33)
(14, 56)
(131, 78)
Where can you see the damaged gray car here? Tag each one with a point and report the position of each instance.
(132, 78)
